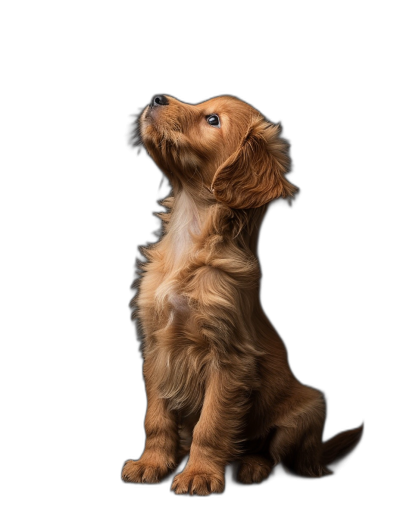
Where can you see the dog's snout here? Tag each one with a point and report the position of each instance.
(158, 100)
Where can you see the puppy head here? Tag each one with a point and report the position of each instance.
(222, 147)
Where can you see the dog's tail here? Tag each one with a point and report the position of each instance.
(340, 445)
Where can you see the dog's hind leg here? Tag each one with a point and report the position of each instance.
(254, 468)
(298, 438)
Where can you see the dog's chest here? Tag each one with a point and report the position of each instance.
(181, 349)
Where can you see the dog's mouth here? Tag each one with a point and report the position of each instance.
(156, 125)
(151, 113)
(147, 117)
(167, 114)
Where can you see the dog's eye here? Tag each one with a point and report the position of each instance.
(213, 120)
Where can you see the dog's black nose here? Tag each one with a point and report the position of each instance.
(159, 99)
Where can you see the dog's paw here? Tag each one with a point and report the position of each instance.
(198, 482)
(145, 471)
(254, 469)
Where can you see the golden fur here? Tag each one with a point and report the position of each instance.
(217, 376)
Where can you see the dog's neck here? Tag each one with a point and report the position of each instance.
(186, 223)
(186, 214)
(195, 219)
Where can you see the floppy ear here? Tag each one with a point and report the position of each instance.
(255, 173)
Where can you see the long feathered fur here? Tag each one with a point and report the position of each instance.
(217, 376)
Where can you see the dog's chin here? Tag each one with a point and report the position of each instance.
(167, 146)
(151, 116)
(149, 119)
(151, 131)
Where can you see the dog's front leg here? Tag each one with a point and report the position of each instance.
(162, 439)
(214, 437)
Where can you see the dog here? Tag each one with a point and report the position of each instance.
(218, 382)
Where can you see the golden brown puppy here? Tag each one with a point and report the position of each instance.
(217, 376)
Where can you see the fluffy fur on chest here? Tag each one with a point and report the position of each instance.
(195, 294)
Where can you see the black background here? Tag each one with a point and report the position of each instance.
(316, 251)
